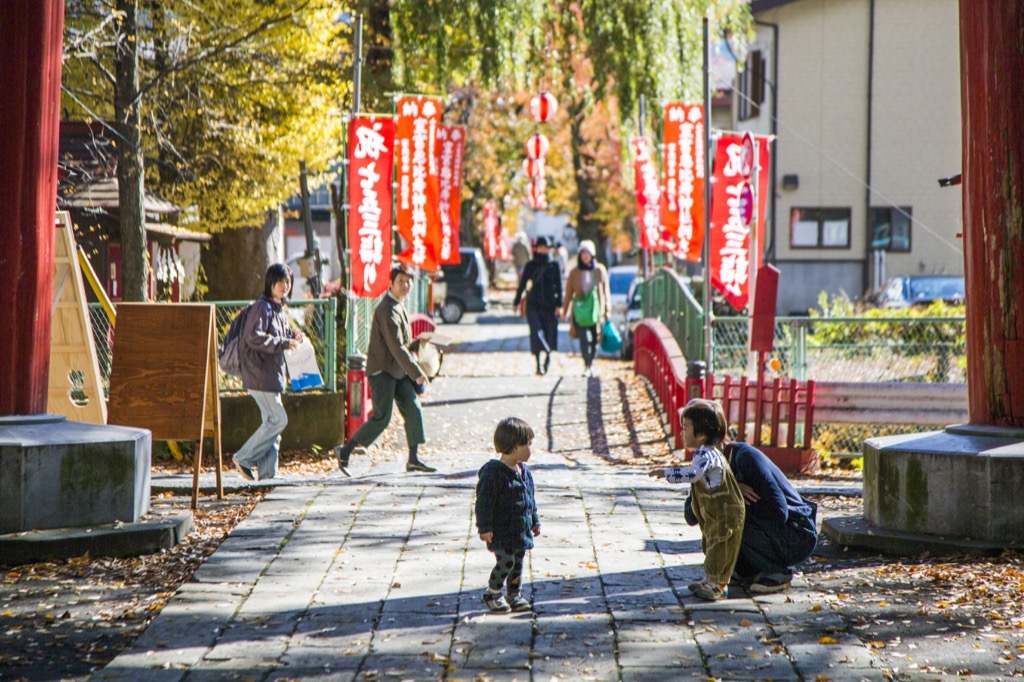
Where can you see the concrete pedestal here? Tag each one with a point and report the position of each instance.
(56, 473)
(965, 481)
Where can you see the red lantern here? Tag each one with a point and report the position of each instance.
(533, 168)
(537, 146)
(543, 107)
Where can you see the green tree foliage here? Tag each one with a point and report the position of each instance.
(596, 57)
(233, 93)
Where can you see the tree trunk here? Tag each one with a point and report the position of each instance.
(586, 226)
(235, 264)
(134, 256)
(992, 111)
(31, 38)
(379, 35)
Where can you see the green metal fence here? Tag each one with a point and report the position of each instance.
(666, 297)
(359, 314)
(316, 318)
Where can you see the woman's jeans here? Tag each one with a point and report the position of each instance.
(262, 447)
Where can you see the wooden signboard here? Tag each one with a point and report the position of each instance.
(164, 375)
(75, 385)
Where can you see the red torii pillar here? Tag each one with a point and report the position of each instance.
(31, 37)
(992, 111)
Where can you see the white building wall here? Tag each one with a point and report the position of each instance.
(916, 136)
(822, 125)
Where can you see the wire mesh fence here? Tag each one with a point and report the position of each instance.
(872, 349)
(316, 318)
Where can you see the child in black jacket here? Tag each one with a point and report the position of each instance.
(506, 513)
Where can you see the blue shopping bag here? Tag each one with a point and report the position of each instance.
(611, 341)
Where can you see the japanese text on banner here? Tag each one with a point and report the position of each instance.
(450, 143)
(370, 146)
(682, 202)
(418, 217)
(730, 238)
(647, 195)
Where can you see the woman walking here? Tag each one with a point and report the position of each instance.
(541, 285)
(265, 337)
(587, 296)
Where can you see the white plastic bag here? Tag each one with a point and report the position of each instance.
(302, 368)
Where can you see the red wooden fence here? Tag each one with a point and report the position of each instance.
(778, 406)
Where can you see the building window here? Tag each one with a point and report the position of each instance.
(890, 228)
(820, 228)
(751, 87)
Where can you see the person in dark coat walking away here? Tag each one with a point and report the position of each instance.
(780, 529)
(541, 283)
(506, 514)
(265, 337)
(395, 376)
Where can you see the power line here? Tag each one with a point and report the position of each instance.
(955, 247)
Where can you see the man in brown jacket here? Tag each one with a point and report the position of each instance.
(393, 373)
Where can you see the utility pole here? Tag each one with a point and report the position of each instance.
(708, 155)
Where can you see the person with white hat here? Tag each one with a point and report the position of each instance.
(587, 295)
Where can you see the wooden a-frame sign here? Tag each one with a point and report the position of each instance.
(163, 376)
(73, 361)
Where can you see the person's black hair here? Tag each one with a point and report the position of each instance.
(708, 420)
(401, 269)
(278, 272)
(510, 433)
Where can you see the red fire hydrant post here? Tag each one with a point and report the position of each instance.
(358, 404)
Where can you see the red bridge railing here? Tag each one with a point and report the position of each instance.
(773, 409)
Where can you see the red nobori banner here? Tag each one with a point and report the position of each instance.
(371, 146)
(491, 247)
(648, 195)
(418, 214)
(450, 141)
(682, 202)
(730, 238)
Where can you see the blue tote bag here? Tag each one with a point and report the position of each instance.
(611, 341)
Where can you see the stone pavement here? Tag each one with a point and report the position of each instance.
(381, 576)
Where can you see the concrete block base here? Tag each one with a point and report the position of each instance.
(161, 531)
(56, 473)
(313, 419)
(963, 482)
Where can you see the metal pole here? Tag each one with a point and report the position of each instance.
(312, 255)
(640, 227)
(351, 309)
(357, 66)
(753, 370)
(708, 177)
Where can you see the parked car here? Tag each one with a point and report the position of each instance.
(634, 312)
(466, 284)
(914, 290)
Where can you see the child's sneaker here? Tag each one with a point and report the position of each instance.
(710, 591)
(517, 603)
(496, 603)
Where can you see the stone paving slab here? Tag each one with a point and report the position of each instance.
(380, 576)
